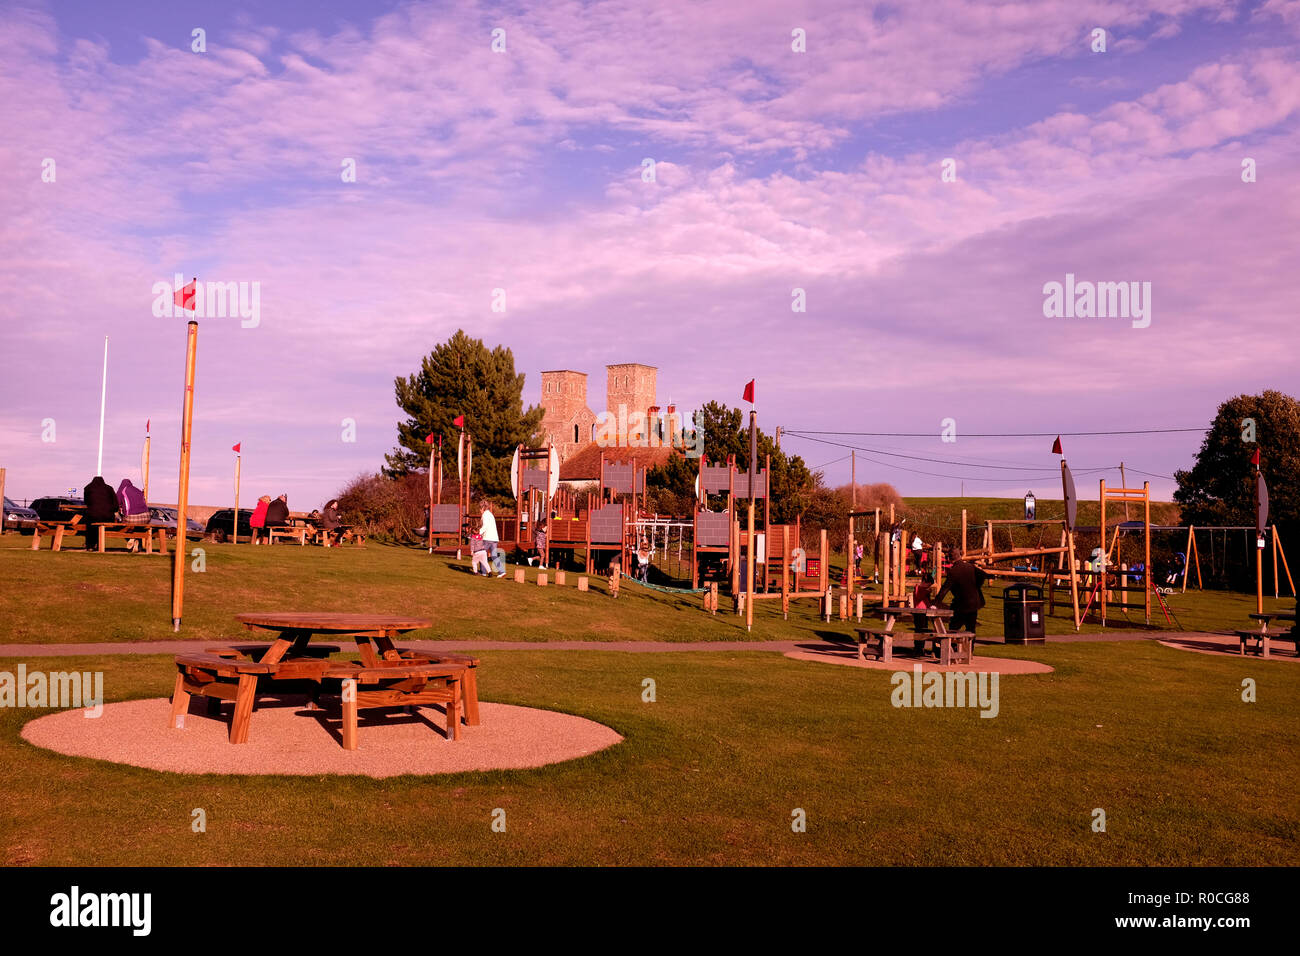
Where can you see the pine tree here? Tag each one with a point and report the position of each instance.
(463, 377)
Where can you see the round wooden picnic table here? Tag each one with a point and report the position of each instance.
(296, 628)
(373, 633)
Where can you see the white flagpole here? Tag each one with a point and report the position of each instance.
(103, 396)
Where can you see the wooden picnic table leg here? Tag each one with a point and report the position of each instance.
(350, 713)
(367, 649)
(180, 701)
(103, 539)
(469, 690)
(280, 646)
(243, 708)
(162, 540)
(453, 711)
(945, 650)
(56, 543)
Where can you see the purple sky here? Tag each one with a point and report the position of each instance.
(523, 170)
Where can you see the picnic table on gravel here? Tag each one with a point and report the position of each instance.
(386, 676)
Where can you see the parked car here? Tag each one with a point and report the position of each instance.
(59, 507)
(18, 518)
(221, 521)
(166, 518)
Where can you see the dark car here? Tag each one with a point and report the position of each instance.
(59, 507)
(221, 521)
(166, 518)
(18, 518)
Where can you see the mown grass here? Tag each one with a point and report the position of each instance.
(1186, 772)
(76, 597)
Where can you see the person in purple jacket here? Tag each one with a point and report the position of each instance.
(131, 504)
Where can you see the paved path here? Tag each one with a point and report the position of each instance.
(634, 647)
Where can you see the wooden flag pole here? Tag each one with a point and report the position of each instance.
(235, 529)
(103, 397)
(144, 463)
(752, 549)
(433, 450)
(183, 486)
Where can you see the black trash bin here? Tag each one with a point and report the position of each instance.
(1022, 614)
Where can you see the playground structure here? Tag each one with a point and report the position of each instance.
(608, 526)
(786, 570)
(446, 529)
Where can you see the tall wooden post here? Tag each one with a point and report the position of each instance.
(235, 529)
(144, 464)
(963, 532)
(183, 485)
(2, 501)
(785, 572)
(1146, 547)
(750, 550)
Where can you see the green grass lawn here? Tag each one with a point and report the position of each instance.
(1186, 772)
(75, 597)
(1158, 738)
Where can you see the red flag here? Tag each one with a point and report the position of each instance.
(428, 439)
(1254, 459)
(235, 447)
(1056, 446)
(146, 426)
(184, 297)
(459, 421)
(749, 391)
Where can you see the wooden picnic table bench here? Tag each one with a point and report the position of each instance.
(951, 647)
(297, 533)
(216, 679)
(57, 530)
(397, 684)
(1258, 642)
(292, 660)
(142, 533)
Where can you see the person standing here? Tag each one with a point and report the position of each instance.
(101, 508)
(965, 581)
(488, 531)
(918, 548)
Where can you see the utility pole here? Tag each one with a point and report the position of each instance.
(779, 429)
(855, 479)
(1123, 481)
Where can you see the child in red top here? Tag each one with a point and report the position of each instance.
(923, 597)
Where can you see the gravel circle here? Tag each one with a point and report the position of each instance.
(285, 738)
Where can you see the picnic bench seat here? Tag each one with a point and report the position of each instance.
(57, 530)
(955, 647)
(298, 534)
(469, 682)
(1258, 642)
(142, 533)
(397, 684)
(216, 679)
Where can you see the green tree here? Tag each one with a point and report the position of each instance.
(1219, 489)
(463, 377)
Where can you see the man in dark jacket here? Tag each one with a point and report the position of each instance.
(101, 508)
(277, 512)
(965, 581)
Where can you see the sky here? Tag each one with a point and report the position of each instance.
(129, 156)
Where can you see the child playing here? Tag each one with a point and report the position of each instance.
(615, 572)
(479, 554)
(923, 597)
